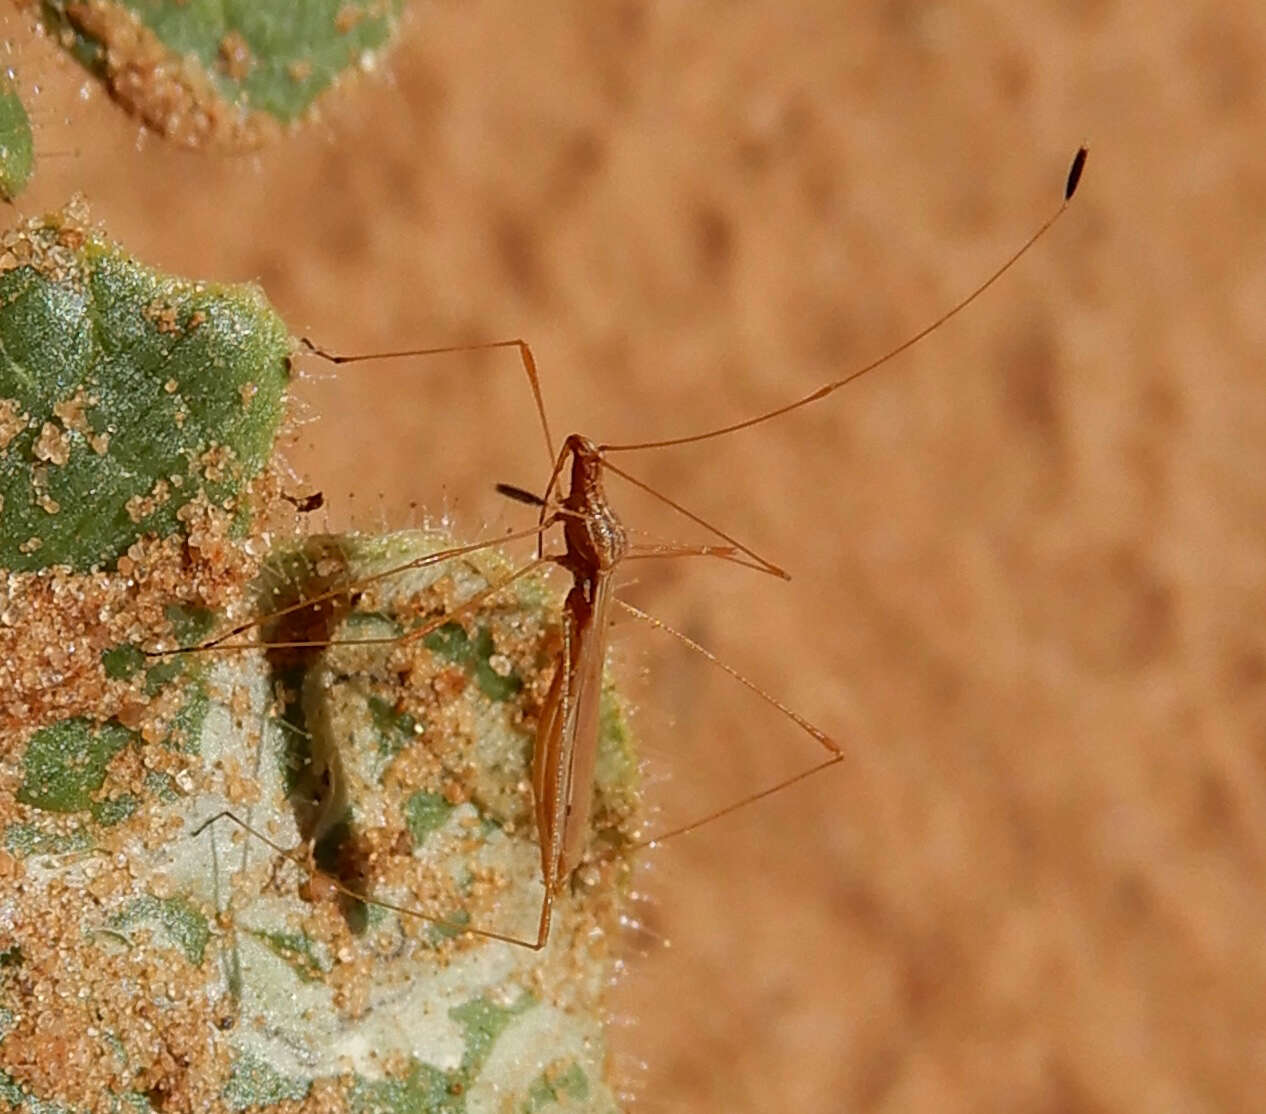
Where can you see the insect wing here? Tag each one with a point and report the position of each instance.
(567, 739)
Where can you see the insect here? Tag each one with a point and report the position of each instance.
(595, 545)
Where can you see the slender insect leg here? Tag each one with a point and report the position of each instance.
(482, 596)
(525, 355)
(347, 891)
(220, 642)
(722, 552)
(761, 564)
(559, 462)
(230, 961)
(386, 640)
(834, 751)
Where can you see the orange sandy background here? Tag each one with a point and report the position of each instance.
(1028, 558)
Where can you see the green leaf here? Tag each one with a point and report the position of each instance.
(428, 1090)
(190, 625)
(396, 730)
(549, 1087)
(254, 1082)
(64, 766)
(115, 810)
(425, 813)
(185, 727)
(451, 641)
(424, 1090)
(124, 395)
(24, 840)
(10, 1092)
(17, 148)
(123, 661)
(229, 67)
(183, 925)
(484, 1022)
(298, 950)
(275, 954)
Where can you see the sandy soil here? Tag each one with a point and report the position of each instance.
(1028, 558)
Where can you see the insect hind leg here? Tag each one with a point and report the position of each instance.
(834, 752)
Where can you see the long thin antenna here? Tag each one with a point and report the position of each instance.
(1070, 187)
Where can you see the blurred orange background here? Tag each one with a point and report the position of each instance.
(1028, 559)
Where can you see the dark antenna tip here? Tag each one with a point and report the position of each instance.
(1074, 172)
(520, 495)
